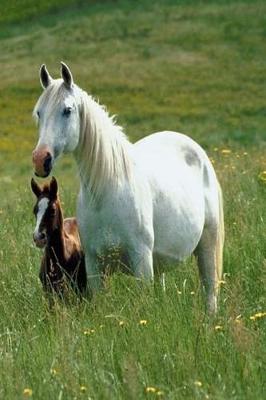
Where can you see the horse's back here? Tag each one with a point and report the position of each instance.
(174, 162)
(173, 145)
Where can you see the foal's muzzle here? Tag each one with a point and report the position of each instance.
(40, 239)
(42, 159)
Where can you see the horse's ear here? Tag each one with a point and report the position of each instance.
(35, 188)
(45, 77)
(53, 188)
(66, 75)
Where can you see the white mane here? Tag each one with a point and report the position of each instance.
(103, 148)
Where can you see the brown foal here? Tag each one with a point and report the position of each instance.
(63, 262)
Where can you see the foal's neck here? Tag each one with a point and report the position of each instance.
(56, 240)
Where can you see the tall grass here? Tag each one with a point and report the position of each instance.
(195, 67)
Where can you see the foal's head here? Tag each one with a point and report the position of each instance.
(47, 211)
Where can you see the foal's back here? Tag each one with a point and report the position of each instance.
(72, 238)
(75, 260)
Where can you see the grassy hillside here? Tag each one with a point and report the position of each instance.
(194, 67)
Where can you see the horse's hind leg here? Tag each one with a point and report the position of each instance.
(209, 257)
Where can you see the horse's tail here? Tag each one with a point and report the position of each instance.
(220, 237)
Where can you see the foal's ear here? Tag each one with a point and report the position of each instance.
(53, 188)
(45, 77)
(35, 188)
(66, 75)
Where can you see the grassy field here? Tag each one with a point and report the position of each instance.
(194, 67)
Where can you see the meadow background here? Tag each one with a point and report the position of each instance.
(197, 67)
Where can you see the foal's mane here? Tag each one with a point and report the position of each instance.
(45, 190)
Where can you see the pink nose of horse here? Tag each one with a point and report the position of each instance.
(42, 160)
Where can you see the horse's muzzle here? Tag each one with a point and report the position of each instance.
(42, 159)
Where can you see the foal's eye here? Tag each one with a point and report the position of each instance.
(53, 212)
(38, 114)
(67, 111)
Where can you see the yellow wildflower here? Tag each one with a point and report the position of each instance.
(27, 392)
(218, 327)
(83, 389)
(198, 383)
(53, 371)
(257, 316)
(221, 282)
(262, 176)
(89, 331)
(226, 151)
(192, 292)
(160, 393)
(143, 322)
(150, 389)
(121, 323)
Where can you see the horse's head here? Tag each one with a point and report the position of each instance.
(47, 211)
(58, 119)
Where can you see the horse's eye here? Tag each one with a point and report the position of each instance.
(38, 114)
(66, 111)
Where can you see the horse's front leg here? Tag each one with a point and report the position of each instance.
(93, 272)
(141, 262)
(94, 276)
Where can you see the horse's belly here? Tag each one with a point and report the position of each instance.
(177, 238)
(178, 220)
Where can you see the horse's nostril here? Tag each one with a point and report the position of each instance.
(47, 165)
(42, 235)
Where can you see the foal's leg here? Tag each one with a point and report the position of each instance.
(208, 262)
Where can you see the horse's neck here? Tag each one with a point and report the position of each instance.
(102, 155)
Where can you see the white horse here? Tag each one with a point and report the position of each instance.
(157, 199)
